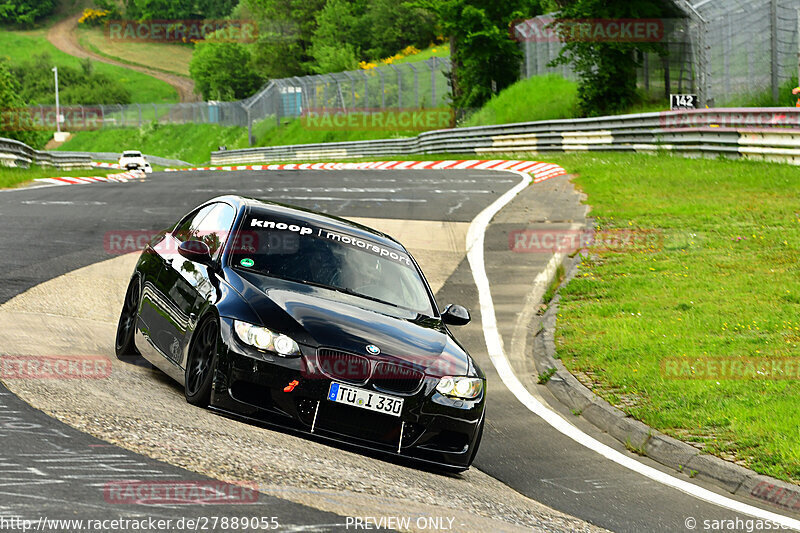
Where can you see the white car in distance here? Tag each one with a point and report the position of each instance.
(134, 160)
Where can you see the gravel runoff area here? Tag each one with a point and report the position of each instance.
(143, 411)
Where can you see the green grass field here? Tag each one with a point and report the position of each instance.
(172, 58)
(18, 47)
(11, 177)
(722, 283)
(188, 142)
(548, 97)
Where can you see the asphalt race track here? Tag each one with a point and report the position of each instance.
(48, 468)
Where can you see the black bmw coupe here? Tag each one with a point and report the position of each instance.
(296, 318)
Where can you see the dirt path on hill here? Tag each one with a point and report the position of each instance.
(62, 36)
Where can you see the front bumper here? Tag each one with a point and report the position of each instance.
(431, 428)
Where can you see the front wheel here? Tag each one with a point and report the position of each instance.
(125, 346)
(201, 363)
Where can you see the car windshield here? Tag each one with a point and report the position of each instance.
(332, 259)
(131, 154)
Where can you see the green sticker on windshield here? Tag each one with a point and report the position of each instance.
(247, 262)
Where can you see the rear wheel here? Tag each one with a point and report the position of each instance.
(125, 347)
(201, 363)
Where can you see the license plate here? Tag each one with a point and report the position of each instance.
(380, 403)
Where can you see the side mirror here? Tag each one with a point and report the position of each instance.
(196, 251)
(455, 315)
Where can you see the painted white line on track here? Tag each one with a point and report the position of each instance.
(494, 346)
(339, 199)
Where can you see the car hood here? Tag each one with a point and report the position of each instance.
(323, 318)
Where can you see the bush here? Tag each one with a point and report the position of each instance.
(81, 86)
(221, 71)
(25, 12)
(10, 100)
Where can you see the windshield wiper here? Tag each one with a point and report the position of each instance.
(351, 292)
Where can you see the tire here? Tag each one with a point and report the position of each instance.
(124, 345)
(201, 363)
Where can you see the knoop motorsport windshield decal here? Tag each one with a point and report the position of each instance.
(256, 223)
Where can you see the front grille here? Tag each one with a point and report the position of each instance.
(343, 366)
(359, 423)
(396, 377)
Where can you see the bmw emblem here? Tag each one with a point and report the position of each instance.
(373, 350)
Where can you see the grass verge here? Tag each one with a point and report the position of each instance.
(722, 284)
(170, 58)
(188, 142)
(20, 46)
(12, 177)
(549, 97)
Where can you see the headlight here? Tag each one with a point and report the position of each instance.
(266, 340)
(460, 387)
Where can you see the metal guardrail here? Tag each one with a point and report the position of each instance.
(114, 156)
(18, 154)
(755, 133)
(14, 153)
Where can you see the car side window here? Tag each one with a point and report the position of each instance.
(189, 225)
(215, 227)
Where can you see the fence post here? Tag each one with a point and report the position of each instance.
(433, 81)
(773, 31)
(416, 85)
(366, 89)
(383, 89)
(249, 128)
(352, 91)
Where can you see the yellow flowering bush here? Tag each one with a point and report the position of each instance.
(93, 17)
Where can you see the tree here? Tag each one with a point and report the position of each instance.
(177, 9)
(25, 12)
(286, 28)
(332, 44)
(388, 26)
(221, 70)
(607, 70)
(483, 55)
(13, 108)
